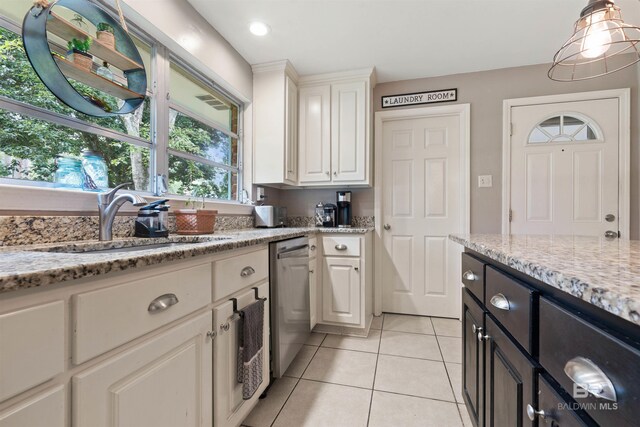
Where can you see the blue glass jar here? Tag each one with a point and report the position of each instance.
(96, 169)
(69, 172)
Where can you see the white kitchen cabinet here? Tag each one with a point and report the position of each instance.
(313, 291)
(341, 289)
(229, 407)
(275, 124)
(165, 381)
(335, 129)
(315, 134)
(46, 409)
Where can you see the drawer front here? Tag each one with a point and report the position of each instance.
(473, 275)
(341, 246)
(238, 272)
(557, 411)
(568, 342)
(107, 318)
(46, 409)
(313, 247)
(31, 347)
(510, 303)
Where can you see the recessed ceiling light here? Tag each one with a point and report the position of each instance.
(259, 28)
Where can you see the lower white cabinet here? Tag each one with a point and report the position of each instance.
(46, 409)
(341, 288)
(165, 381)
(313, 291)
(228, 406)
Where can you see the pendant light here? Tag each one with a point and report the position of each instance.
(601, 44)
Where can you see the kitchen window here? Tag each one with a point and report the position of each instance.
(196, 143)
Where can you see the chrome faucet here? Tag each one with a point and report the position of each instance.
(108, 205)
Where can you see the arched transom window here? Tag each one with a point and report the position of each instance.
(565, 128)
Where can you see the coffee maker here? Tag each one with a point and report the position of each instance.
(344, 209)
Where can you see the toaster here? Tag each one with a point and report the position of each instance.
(270, 216)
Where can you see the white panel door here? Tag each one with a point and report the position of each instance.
(165, 381)
(315, 134)
(341, 290)
(348, 131)
(422, 163)
(291, 134)
(564, 168)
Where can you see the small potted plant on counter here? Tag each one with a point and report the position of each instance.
(79, 53)
(105, 35)
(193, 220)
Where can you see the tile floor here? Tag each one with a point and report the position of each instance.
(407, 372)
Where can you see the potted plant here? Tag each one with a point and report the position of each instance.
(79, 52)
(105, 35)
(193, 220)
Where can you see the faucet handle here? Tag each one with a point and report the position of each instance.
(107, 197)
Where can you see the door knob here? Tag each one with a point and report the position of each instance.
(611, 234)
(387, 227)
(610, 217)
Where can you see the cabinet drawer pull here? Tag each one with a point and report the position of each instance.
(162, 303)
(532, 413)
(590, 377)
(247, 271)
(501, 302)
(341, 247)
(483, 337)
(470, 276)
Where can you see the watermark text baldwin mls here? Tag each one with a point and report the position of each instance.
(582, 392)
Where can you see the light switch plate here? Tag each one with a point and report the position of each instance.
(485, 181)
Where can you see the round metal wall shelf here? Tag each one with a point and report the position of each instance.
(127, 58)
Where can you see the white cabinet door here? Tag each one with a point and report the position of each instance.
(315, 134)
(46, 409)
(228, 406)
(348, 131)
(291, 132)
(313, 291)
(165, 381)
(341, 290)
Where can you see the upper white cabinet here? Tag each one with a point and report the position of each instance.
(335, 129)
(275, 124)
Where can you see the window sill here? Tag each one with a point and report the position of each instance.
(30, 200)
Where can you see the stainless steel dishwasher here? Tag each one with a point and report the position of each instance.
(289, 289)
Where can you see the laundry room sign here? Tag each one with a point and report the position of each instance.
(432, 97)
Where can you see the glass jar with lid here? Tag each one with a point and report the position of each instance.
(96, 170)
(68, 173)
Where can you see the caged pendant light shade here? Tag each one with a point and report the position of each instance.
(601, 44)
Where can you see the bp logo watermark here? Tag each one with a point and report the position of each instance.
(582, 391)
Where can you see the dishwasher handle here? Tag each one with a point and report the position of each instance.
(299, 251)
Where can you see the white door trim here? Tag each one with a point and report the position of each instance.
(624, 154)
(461, 110)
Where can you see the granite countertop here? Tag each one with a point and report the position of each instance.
(605, 273)
(40, 265)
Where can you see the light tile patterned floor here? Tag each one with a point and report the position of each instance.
(407, 372)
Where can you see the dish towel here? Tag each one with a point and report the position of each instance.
(250, 349)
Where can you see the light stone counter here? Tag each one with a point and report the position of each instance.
(40, 265)
(602, 272)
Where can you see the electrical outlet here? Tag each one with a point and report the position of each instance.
(260, 196)
(485, 181)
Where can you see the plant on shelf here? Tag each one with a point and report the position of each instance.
(193, 220)
(79, 52)
(105, 35)
(79, 21)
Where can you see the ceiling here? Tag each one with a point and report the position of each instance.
(403, 39)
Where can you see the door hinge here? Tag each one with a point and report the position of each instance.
(510, 215)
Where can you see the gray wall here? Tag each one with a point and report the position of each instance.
(485, 91)
(303, 202)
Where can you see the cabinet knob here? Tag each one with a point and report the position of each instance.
(501, 302)
(211, 334)
(310, 271)
(469, 275)
(225, 326)
(532, 413)
(312, 247)
(247, 271)
(335, 173)
(162, 303)
(356, 268)
(387, 227)
(475, 329)
(483, 337)
(586, 374)
(328, 173)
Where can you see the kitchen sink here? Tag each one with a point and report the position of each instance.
(128, 245)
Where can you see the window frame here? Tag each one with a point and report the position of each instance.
(158, 91)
